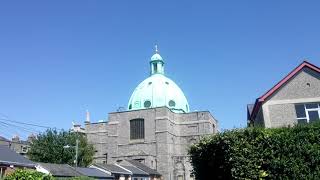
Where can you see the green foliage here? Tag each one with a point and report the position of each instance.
(48, 148)
(28, 175)
(256, 153)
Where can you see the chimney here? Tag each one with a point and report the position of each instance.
(87, 121)
(15, 138)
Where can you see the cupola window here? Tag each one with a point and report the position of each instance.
(155, 68)
(130, 106)
(137, 129)
(172, 103)
(147, 104)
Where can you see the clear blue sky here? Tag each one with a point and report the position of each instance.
(59, 58)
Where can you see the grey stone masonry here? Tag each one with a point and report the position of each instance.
(167, 137)
(278, 110)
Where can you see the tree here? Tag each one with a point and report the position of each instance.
(48, 147)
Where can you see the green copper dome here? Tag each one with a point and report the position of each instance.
(158, 90)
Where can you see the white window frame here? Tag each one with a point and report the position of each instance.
(310, 109)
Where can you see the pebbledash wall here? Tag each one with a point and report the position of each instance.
(167, 136)
(279, 108)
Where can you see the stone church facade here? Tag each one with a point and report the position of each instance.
(162, 146)
(157, 128)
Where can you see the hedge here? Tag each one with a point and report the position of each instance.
(28, 174)
(22, 174)
(256, 153)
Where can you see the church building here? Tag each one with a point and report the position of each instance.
(156, 129)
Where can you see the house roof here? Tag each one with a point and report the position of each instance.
(60, 170)
(135, 171)
(271, 91)
(250, 109)
(9, 157)
(93, 172)
(4, 139)
(143, 167)
(114, 169)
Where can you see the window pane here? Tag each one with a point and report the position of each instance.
(311, 105)
(313, 116)
(137, 129)
(302, 121)
(301, 113)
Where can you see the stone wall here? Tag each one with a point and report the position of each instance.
(168, 136)
(279, 109)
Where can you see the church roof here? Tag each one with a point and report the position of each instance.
(156, 57)
(281, 83)
(158, 90)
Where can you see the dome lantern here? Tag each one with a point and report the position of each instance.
(158, 90)
(156, 63)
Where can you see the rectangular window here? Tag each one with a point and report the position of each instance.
(308, 112)
(311, 105)
(313, 116)
(180, 177)
(155, 67)
(300, 111)
(137, 129)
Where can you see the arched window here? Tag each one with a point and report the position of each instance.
(155, 68)
(137, 129)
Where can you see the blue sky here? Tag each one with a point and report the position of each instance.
(59, 58)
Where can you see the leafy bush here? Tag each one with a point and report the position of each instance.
(28, 175)
(256, 153)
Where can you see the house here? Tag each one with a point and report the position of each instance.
(94, 173)
(293, 100)
(18, 145)
(10, 161)
(57, 170)
(152, 174)
(115, 170)
(67, 171)
(4, 141)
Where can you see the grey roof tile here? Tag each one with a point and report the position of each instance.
(92, 172)
(136, 171)
(143, 167)
(60, 170)
(9, 157)
(113, 169)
